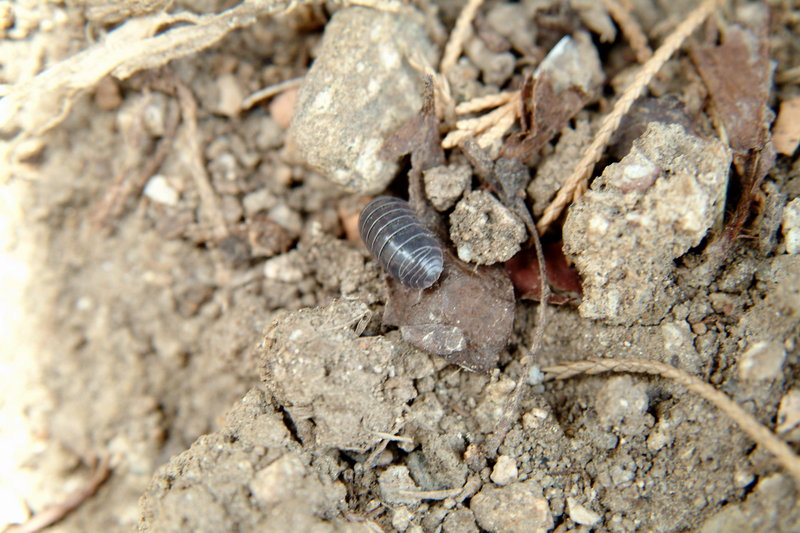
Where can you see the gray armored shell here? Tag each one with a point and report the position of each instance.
(400, 243)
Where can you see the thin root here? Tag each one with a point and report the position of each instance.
(459, 36)
(268, 92)
(512, 407)
(53, 514)
(194, 160)
(747, 422)
(630, 29)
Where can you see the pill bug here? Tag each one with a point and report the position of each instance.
(400, 243)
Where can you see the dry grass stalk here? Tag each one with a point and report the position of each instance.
(512, 407)
(575, 185)
(630, 29)
(501, 127)
(53, 514)
(197, 167)
(489, 101)
(747, 422)
(459, 35)
(268, 92)
(489, 127)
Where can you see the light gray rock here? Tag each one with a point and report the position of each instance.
(445, 184)
(484, 231)
(519, 507)
(359, 90)
(644, 212)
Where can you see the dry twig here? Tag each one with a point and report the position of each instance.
(575, 185)
(512, 407)
(126, 183)
(747, 422)
(269, 92)
(53, 514)
(194, 160)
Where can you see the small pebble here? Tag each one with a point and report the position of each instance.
(762, 360)
(282, 107)
(580, 514)
(401, 518)
(154, 115)
(516, 508)
(283, 268)
(445, 184)
(258, 200)
(159, 190)
(393, 481)
(484, 231)
(230, 96)
(791, 226)
(107, 95)
(789, 415)
(505, 470)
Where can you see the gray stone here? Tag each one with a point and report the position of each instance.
(647, 210)
(484, 231)
(359, 90)
(519, 507)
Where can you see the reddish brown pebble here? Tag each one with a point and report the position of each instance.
(282, 107)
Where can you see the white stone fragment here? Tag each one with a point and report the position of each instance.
(283, 268)
(791, 226)
(762, 360)
(580, 514)
(159, 190)
(359, 90)
(504, 471)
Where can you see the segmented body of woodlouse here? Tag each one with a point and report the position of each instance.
(400, 243)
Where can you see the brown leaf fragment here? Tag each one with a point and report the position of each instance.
(786, 134)
(523, 269)
(418, 136)
(549, 111)
(467, 317)
(738, 75)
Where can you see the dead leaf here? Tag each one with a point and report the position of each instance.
(738, 75)
(547, 112)
(523, 269)
(418, 136)
(467, 317)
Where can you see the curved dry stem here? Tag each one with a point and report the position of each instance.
(630, 29)
(459, 35)
(481, 103)
(747, 422)
(512, 407)
(575, 185)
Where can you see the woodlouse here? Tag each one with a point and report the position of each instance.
(400, 243)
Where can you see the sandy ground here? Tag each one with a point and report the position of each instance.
(244, 380)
